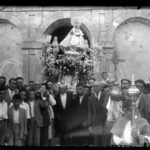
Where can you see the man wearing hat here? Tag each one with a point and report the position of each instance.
(123, 133)
(3, 116)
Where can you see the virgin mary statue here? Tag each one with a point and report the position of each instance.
(74, 38)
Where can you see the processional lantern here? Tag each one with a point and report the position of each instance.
(115, 91)
(133, 94)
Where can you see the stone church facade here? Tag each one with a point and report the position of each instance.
(125, 30)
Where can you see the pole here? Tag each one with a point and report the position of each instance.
(133, 114)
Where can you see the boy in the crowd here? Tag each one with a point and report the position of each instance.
(17, 123)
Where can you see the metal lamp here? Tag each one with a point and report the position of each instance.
(133, 94)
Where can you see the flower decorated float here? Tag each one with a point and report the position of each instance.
(71, 60)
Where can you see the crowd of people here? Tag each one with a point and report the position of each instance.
(38, 114)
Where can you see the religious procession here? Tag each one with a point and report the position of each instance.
(79, 101)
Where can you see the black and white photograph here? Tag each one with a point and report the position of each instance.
(74, 76)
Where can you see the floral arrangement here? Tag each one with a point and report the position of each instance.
(56, 66)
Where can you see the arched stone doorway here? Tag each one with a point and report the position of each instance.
(131, 40)
(61, 28)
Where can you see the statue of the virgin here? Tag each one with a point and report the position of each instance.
(75, 37)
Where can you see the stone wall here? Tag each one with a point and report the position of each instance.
(10, 51)
(32, 22)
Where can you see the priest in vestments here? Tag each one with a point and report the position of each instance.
(123, 133)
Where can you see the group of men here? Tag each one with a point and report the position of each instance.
(97, 117)
(90, 116)
(25, 117)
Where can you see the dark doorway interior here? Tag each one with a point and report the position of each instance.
(62, 32)
(62, 27)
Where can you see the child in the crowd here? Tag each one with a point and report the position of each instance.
(17, 123)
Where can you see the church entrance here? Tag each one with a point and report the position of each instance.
(70, 40)
(62, 27)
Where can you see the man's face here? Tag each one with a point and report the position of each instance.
(63, 90)
(80, 90)
(56, 88)
(2, 81)
(104, 76)
(43, 89)
(23, 95)
(2, 96)
(31, 84)
(91, 82)
(140, 86)
(124, 84)
(31, 95)
(50, 85)
(107, 90)
(16, 103)
(20, 83)
(86, 90)
(12, 84)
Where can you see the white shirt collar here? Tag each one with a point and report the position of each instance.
(81, 98)
(63, 99)
(98, 96)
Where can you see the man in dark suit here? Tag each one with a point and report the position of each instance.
(19, 83)
(140, 84)
(62, 113)
(79, 121)
(2, 82)
(143, 102)
(10, 91)
(97, 114)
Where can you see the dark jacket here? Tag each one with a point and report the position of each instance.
(80, 118)
(144, 106)
(38, 104)
(97, 114)
(45, 111)
(62, 115)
